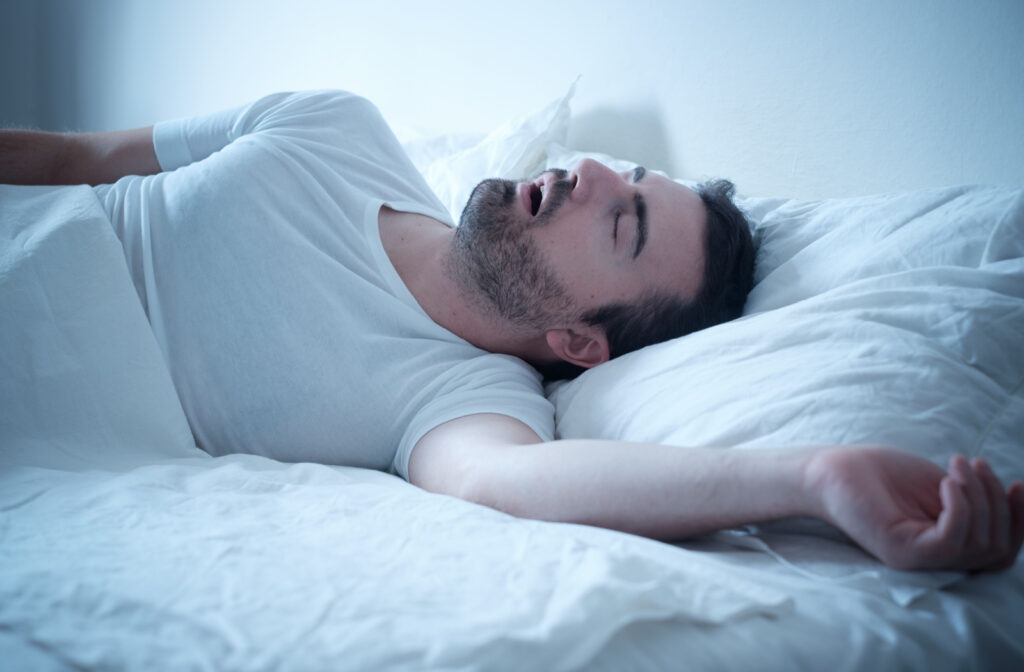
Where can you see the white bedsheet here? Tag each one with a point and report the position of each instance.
(259, 565)
(246, 564)
(82, 381)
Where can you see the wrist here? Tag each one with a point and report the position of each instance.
(831, 474)
(775, 484)
(816, 467)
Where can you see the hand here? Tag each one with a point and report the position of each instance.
(912, 515)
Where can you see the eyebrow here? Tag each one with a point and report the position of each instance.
(641, 214)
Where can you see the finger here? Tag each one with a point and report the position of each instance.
(954, 522)
(977, 502)
(1015, 497)
(998, 506)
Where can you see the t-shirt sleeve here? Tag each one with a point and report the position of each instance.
(490, 384)
(180, 142)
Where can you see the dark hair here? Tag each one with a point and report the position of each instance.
(727, 279)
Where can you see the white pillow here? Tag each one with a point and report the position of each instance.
(454, 164)
(82, 381)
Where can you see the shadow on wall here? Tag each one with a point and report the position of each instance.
(634, 134)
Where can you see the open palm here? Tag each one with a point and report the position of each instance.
(913, 515)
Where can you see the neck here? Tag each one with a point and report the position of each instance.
(419, 248)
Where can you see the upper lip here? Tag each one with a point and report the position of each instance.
(542, 183)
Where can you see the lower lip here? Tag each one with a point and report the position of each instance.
(524, 196)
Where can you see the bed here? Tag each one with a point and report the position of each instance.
(895, 319)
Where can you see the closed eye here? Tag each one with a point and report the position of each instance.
(615, 229)
(641, 224)
(640, 205)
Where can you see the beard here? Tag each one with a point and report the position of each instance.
(499, 266)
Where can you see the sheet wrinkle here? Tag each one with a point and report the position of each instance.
(962, 322)
(997, 415)
(868, 577)
(47, 649)
(953, 195)
(307, 631)
(566, 606)
(85, 603)
(24, 501)
(584, 579)
(1013, 218)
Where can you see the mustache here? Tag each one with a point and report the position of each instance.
(559, 173)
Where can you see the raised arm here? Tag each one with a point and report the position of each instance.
(36, 157)
(901, 508)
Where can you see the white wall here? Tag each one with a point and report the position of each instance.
(20, 103)
(787, 98)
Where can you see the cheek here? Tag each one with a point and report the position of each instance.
(592, 277)
(593, 285)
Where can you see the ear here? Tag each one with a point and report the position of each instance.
(584, 345)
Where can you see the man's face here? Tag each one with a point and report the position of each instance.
(542, 252)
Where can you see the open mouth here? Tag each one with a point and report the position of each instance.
(536, 196)
(550, 182)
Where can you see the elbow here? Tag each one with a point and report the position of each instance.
(500, 484)
(473, 481)
(481, 458)
(469, 478)
(478, 487)
(455, 475)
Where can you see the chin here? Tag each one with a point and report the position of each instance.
(491, 204)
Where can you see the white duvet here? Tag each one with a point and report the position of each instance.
(893, 319)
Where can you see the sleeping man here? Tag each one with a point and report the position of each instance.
(314, 302)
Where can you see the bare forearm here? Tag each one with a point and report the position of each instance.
(664, 492)
(36, 157)
(30, 157)
(901, 507)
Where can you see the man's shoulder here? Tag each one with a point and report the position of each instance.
(320, 109)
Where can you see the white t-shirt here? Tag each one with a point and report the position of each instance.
(287, 331)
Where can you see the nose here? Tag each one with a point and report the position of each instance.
(594, 179)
